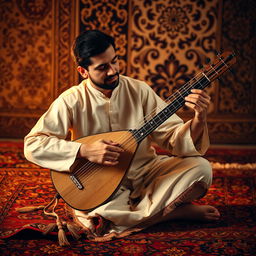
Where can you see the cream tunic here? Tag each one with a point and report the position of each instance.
(85, 111)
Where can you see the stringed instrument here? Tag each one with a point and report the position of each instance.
(88, 185)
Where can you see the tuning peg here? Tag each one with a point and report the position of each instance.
(201, 66)
(217, 53)
(207, 60)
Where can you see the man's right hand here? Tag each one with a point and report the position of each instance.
(104, 152)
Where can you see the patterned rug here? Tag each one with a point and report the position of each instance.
(233, 192)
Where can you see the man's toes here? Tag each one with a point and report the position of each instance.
(212, 216)
(211, 213)
(213, 210)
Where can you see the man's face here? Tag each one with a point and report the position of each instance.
(104, 70)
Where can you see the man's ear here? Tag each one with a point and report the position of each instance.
(83, 72)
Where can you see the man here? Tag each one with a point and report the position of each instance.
(156, 188)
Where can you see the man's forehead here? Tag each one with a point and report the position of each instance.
(105, 57)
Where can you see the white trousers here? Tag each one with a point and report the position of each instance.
(168, 183)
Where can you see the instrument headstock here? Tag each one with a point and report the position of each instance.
(221, 64)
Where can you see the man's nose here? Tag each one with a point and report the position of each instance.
(111, 70)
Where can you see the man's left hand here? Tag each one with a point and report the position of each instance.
(199, 101)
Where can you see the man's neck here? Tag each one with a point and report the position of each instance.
(107, 93)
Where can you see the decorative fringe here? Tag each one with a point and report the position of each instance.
(74, 230)
(61, 233)
(63, 241)
(29, 208)
(50, 228)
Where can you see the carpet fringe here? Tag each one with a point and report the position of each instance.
(239, 166)
(29, 208)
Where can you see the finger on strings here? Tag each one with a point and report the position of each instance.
(198, 101)
(110, 148)
(197, 98)
(110, 142)
(112, 154)
(197, 107)
(110, 163)
(185, 87)
(200, 92)
(192, 105)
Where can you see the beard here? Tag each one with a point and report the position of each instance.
(106, 85)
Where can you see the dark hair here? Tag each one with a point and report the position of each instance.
(88, 44)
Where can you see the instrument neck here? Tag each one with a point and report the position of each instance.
(177, 101)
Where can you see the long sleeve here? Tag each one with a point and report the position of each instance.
(45, 145)
(86, 111)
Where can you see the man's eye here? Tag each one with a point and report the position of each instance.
(114, 61)
(103, 67)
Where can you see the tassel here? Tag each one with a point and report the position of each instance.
(29, 208)
(61, 235)
(74, 231)
(50, 228)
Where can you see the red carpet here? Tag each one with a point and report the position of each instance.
(233, 192)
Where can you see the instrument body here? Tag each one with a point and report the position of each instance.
(98, 182)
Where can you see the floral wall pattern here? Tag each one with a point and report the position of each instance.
(110, 16)
(235, 111)
(22, 63)
(163, 42)
(34, 60)
(170, 40)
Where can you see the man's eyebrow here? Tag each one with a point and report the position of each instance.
(100, 65)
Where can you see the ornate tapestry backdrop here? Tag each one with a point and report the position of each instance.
(162, 42)
(35, 60)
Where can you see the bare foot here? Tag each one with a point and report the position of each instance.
(195, 212)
